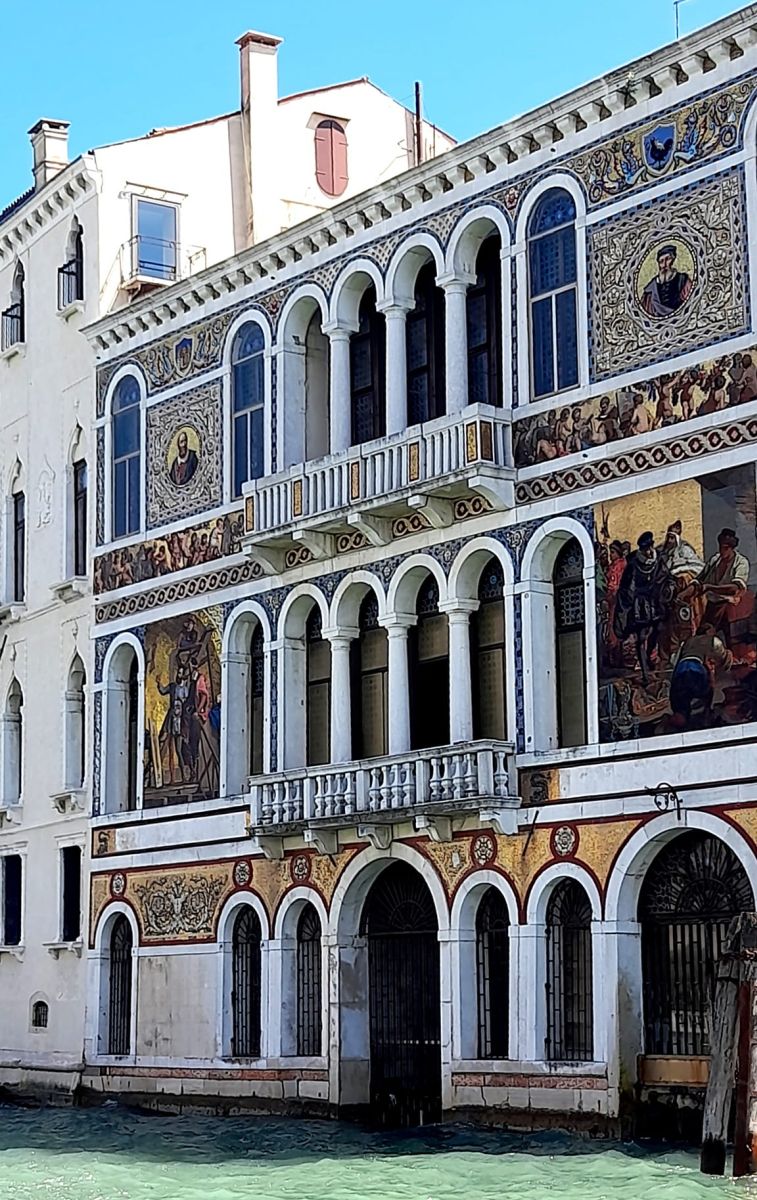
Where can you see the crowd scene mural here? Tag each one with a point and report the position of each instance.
(710, 387)
(677, 625)
(182, 708)
(192, 547)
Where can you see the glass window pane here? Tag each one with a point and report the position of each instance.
(248, 341)
(248, 383)
(126, 432)
(491, 694)
(571, 697)
(240, 453)
(361, 363)
(567, 345)
(555, 208)
(133, 493)
(119, 498)
(478, 378)
(417, 343)
(541, 334)
(417, 398)
(156, 230)
(373, 708)
(256, 443)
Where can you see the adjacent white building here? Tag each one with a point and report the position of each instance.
(91, 236)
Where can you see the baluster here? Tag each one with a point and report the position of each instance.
(448, 765)
(266, 807)
(317, 796)
(328, 796)
(374, 790)
(500, 774)
(435, 786)
(408, 770)
(470, 775)
(350, 792)
(395, 786)
(278, 789)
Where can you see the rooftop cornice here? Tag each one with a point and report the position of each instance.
(581, 111)
(44, 206)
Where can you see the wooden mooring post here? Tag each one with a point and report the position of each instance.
(732, 1051)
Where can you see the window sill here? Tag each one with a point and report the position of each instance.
(71, 588)
(16, 952)
(76, 306)
(70, 800)
(58, 948)
(16, 349)
(10, 814)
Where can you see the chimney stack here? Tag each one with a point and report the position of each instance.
(50, 146)
(259, 103)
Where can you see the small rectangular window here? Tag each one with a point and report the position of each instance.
(19, 547)
(155, 242)
(71, 889)
(11, 872)
(80, 518)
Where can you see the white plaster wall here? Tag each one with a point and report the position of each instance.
(176, 1015)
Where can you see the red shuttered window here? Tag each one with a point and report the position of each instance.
(331, 157)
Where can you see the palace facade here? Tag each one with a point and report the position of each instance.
(425, 642)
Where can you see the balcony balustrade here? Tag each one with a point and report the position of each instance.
(419, 784)
(426, 470)
(154, 262)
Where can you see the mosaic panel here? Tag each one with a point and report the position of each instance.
(192, 547)
(669, 276)
(184, 455)
(677, 606)
(665, 400)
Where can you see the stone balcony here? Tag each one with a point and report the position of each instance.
(426, 476)
(429, 788)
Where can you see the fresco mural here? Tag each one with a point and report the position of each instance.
(183, 708)
(676, 617)
(192, 547)
(723, 382)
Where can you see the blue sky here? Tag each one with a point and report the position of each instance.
(118, 70)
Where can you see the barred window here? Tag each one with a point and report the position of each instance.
(245, 984)
(493, 969)
(570, 1013)
(119, 998)
(309, 1036)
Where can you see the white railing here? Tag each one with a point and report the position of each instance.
(466, 771)
(468, 440)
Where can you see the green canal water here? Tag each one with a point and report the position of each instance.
(110, 1154)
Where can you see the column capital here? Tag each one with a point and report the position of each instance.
(455, 281)
(345, 634)
(397, 624)
(458, 609)
(393, 310)
(336, 332)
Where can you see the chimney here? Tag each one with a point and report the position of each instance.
(50, 145)
(260, 98)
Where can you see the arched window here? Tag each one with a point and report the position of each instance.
(78, 511)
(692, 890)
(40, 1014)
(245, 984)
(570, 1011)
(552, 292)
(127, 456)
(248, 404)
(493, 970)
(18, 565)
(309, 983)
(316, 389)
(74, 733)
(13, 745)
(489, 655)
(257, 683)
(121, 754)
(331, 157)
(318, 702)
(367, 372)
(424, 340)
(370, 684)
(484, 320)
(14, 317)
(570, 648)
(429, 675)
(119, 988)
(71, 274)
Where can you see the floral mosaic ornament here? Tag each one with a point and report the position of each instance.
(242, 873)
(300, 868)
(564, 841)
(483, 850)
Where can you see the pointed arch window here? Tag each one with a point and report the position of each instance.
(484, 322)
(246, 984)
(331, 157)
(570, 1012)
(119, 987)
(429, 675)
(309, 1033)
(318, 700)
(424, 340)
(79, 485)
(552, 293)
(489, 655)
(370, 684)
(19, 548)
(75, 725)
(691, 892)
(247, 405)
(570, 647)
(493, 970)
(13, 745)
(71, 274)
(14, 316)
(368, 372)
(127, 456)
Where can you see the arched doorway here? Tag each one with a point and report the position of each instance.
(690, 893)
(400, 926)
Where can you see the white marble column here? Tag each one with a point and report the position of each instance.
(341, 699)
(396, 367)
(339, 387)
(399, 681)
(455, 339)
(460, 682)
